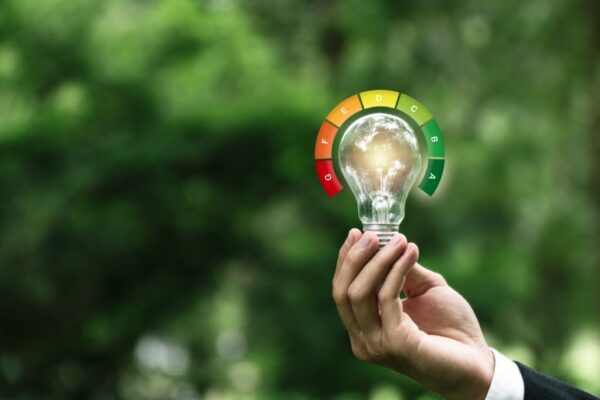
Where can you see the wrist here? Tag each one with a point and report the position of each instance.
(478, 381)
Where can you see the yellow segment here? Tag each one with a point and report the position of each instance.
(379, 98)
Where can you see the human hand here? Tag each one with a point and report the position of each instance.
(432, 335)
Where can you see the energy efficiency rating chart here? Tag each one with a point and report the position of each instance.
(363, 103)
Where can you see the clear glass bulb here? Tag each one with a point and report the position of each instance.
(380, 159)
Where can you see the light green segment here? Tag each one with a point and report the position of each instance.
(414, 109)
(433, 137)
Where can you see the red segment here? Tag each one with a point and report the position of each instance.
(327, 177)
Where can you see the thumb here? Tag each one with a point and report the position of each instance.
(420, 279)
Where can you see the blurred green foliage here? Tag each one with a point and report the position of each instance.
(163, 234)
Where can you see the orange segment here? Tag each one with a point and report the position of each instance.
(344, 110)
(325, 140)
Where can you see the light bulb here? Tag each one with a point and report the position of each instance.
(380, 159)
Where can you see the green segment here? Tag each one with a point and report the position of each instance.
(414, 109)
(431, 180)
(433, 137)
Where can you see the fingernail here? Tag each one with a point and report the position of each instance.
(349, 235)
(395, 240)
(365, 240)
(351, 238)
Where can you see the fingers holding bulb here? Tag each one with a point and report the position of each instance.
(362, 292)
(353, 236)
(390, 304)
(366, 290)
(355, 259)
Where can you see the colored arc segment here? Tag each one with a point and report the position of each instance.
(344, 110)
(326, 174)
(325, 139)
(433, 174)
(379, 98)
(433, 139)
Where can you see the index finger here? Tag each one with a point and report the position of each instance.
(353, 236)
(354, 261)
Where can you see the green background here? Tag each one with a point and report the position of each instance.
(163, 234)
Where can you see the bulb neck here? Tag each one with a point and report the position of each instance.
(384, 231)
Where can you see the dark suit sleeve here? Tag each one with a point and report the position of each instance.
(543, 387)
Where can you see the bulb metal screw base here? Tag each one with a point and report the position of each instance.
(384, 231)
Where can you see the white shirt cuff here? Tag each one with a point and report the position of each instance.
(507, 383)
